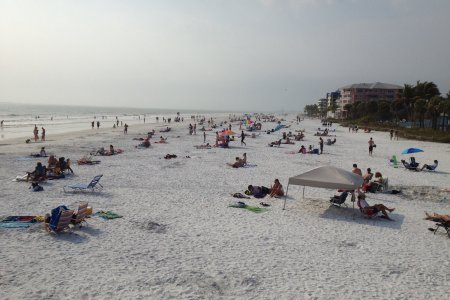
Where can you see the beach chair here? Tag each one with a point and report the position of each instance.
(383, 186)
(62, 222)
(394, 162)
(443, 224)
(81, 214)
(93, 186)
(339, 200)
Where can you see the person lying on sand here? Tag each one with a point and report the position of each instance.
(257, 191)
(288, 141)
(437, 217)
(370, 210)
(276, 143)
(145, 143)
(205, 146)
(239, 163)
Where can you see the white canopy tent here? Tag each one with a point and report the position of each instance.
(326, 177)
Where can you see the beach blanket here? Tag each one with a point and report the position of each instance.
(254, 209)
(18, 221)
(107, 215)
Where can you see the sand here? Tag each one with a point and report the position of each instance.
(178, 239)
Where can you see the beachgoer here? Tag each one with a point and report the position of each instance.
(36, 133)
(43, 134)
(1, 123)
(356, 170)
(98, 124)
(204, 136)
(367, 209)
(368, 176)
(125, 129)
(92, 124)
(430, 167)
(52, 162)
(111, 150)
(244, 158)
(38, 173)
(242, 138)
(258, 191)
(302, 150)
(371, 146)
(238, 163)
(42, 153)
(321, 145)
(391, 133)
(276, 189)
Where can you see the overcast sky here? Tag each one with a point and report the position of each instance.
(216, 54)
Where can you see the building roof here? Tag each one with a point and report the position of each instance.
(373, 86)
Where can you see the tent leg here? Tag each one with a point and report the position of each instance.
(303, 192)
(353, 200)
(285, 197)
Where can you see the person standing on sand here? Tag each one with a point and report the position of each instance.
(98, 124)
(36, 133)
(204, 136)
(1, 123)
(195, 128)
(321, 145)
(242, 138)
(125, 129)
(371, 146)
(43, 134)
(93, 124)
(391, 133)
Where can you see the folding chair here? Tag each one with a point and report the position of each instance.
(93, 186)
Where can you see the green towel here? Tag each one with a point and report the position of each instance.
(107, 215)
(255, 209)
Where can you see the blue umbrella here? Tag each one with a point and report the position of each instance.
(411, 150)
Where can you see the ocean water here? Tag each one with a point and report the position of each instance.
(19, 119)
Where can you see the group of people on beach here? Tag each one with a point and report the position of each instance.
(36, 133)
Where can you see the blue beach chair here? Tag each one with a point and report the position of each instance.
(60, 219)
(93, 186)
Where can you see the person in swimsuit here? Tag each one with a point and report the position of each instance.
(371, 146)
(371, 210)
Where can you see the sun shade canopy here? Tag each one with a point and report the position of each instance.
(328, 177)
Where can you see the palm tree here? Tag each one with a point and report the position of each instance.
(420, 107)
(434, 109)
(408, 100)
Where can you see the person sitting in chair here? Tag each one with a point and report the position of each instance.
(408, 165)
(374, 209)
(413, 163)
(38, 174)
(430, 167)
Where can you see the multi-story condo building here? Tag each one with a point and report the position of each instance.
(366, 92)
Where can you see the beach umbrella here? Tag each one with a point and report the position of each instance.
(411, 150)
(228, 132)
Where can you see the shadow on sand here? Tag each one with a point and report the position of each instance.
(353, 215)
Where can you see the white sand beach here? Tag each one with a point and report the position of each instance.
(178, 239)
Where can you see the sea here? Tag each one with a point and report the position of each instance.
(19, 119)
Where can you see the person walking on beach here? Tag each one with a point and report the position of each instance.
(93, 124)
(125, 129)
(43, 134)
(321, 145)
(98, 124)
(371, 146)
(204, 136)
(2, 123)
(243, 138)
(36, 133)
(391, 133)
(195, 128)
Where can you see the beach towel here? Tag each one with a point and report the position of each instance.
(254, 209)
(107, 215)
(18, 221)
(249, 166)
